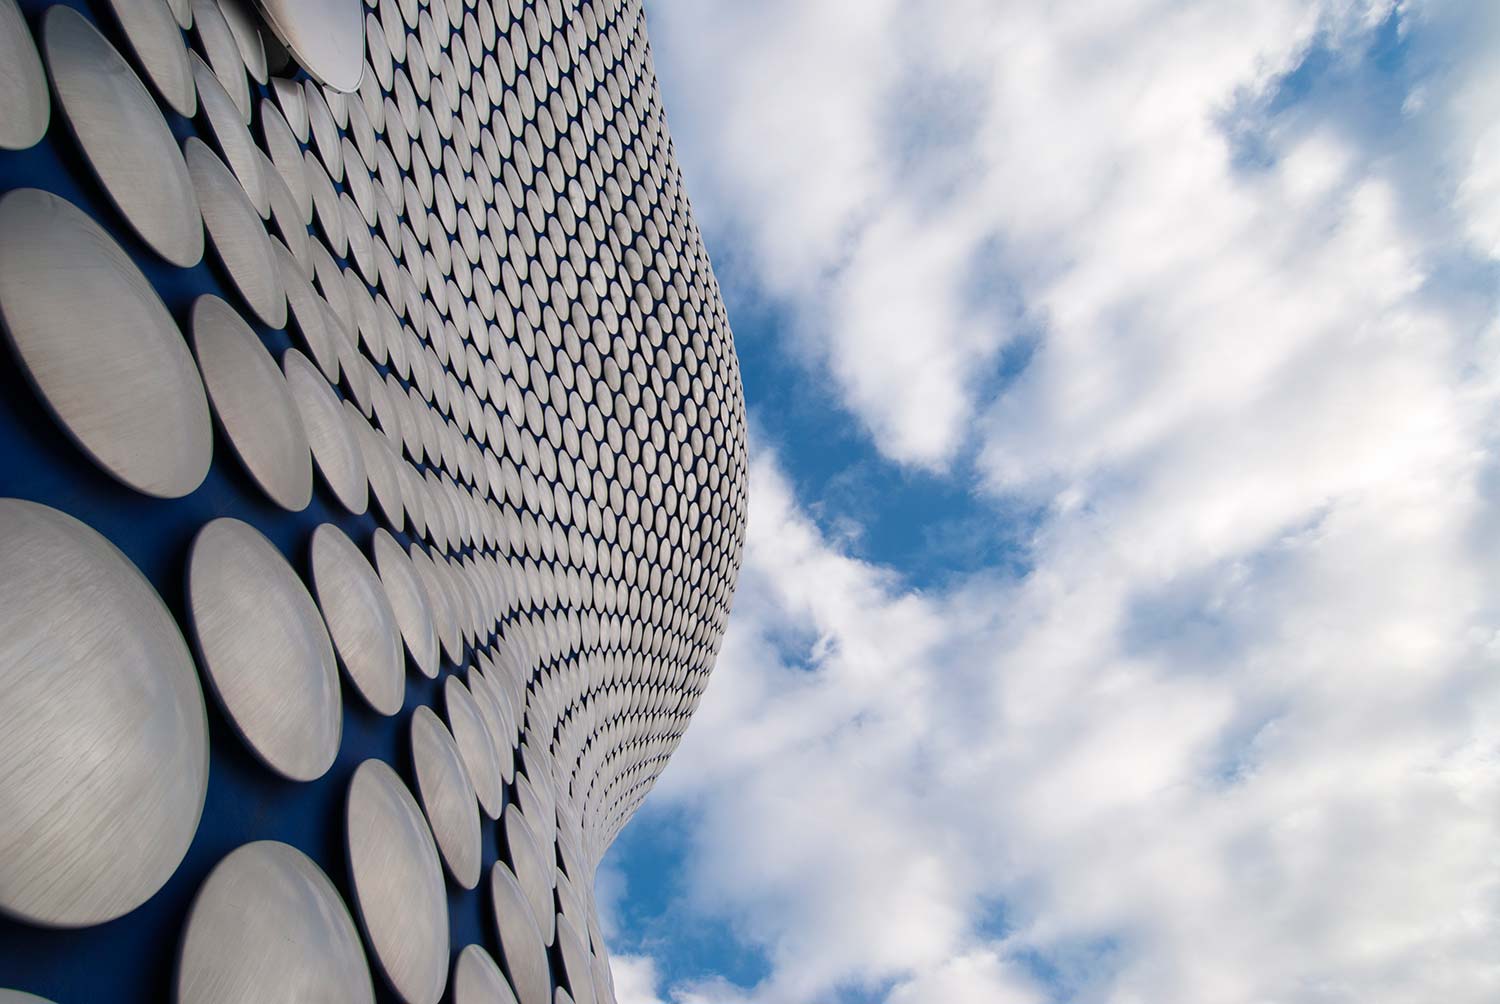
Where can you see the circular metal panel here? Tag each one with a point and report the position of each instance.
(398, 883)
(264, 649)
(239, 238)
(268, 925)
(409, 600)
(103, 733)
(475, 744)
(222, 52)
(334, 449)
(16, 996)
(477, 979)
(447, 796)
(533, 870)
(327, 37)
(25, 108)
(575, 955)
(254, 405)
(230, 134)
(244, 26)
(521, 946)
(154, 35)
(123, 136)
(100, 347)
(359, 618)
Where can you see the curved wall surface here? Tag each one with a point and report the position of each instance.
(374, 483)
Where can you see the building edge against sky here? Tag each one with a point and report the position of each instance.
(374, 493)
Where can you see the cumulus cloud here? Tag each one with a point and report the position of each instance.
(1233, 736)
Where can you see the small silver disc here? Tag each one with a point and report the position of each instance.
(25, 106)
(533, 868)
(359, 619)
(268, 925)
(99, 346)
(239, 237)
(476, 745)
(334, 450)
(264, 649)
(154, 36)
(103, 732)
(521, 945)
(123, 136)
(254, 405)
(447, 796)
(478, 980)
(398, 883)
(409, 599)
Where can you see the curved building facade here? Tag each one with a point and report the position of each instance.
(372, 452)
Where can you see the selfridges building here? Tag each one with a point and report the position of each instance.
(374, 476)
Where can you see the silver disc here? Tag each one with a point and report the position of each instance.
(100, 347)
(254, 405)
(243, 25)
(521, 946)
(268, 925)
(238, 235)
(533, 868)
(25, 107)
(103, 733)
(334, 450)
(575, 956)
(222, 52)
(16, 996)
(264, 649)
(447, 796)
(230, 134)
(327, 37)
(359, 618)
(409, 599)
(123, 136)
(474, 742)
(154, 36)
(398, 883)
(478, 980)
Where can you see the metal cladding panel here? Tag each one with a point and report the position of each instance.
(461, 294)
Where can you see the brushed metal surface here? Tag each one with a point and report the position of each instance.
(268, 925)
(521, 946)
(216, 42)
(409, 600)
(238, 236)
(123, 136)
(16, 996)
(254, 405)
(25, 106)
(103, 732)
(533, 867)
(494, 709)
(229, 133)
(380, 466)
(447, 796)
(264, 649)
(307, 311)
(326, 37)
(286, 154)
(245, 27)
(398, 883)
(334, 449)
(156, 39)
(100, 347)
(476, 746)
(575, 957)
(359, 618)
(477, 979)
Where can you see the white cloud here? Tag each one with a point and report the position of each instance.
(1234, 737)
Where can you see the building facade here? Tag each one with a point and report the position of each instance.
(373, 458)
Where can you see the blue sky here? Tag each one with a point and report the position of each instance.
(1119, 616)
